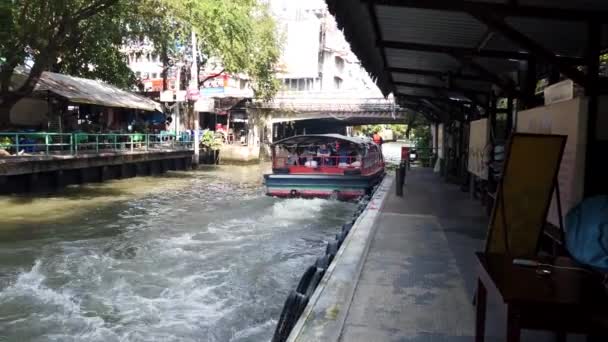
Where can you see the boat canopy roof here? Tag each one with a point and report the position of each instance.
(318, 139)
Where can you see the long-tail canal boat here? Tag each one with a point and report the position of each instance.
(324, 165)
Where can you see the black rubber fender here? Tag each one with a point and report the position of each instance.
(314, 282)
(338, 240)
(342, 237)
(332, 249)
(322, 262)
(347, 227)
(305, 280)
(292, 309)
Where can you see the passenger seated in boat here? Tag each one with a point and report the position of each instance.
(292, 158)
(357, 160)
(322, 153)
(343, 153)
(308, 158)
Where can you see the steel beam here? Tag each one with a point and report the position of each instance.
(498, 54)
(595, 166)
(505, 10)
(428, 86)
(507, 85)
(431, 98)
(499, 25)
(439, 74)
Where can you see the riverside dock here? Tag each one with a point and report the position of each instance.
(83, 158)
(406, 272)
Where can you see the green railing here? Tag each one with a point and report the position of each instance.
(73, 143)
(36, 142)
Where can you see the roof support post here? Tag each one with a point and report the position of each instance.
(499, 25)
(595, 171)
(510, 117)
(529, 90)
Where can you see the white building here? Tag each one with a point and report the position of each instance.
(146, 63)
(316, 57)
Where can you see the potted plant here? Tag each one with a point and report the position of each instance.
(5, 145)
(210, 148)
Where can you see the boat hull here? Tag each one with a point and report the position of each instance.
(343, 187)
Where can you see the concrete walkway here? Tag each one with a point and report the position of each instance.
(408, 272)
(412, 286)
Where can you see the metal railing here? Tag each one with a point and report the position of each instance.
(36, 142)
(368, 163)
(40, 143)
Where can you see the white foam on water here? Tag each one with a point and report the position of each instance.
(30, 284)
(298, 209)
(254, 331)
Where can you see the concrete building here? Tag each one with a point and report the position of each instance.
(315, 57)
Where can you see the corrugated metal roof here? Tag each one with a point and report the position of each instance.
(416, 91)
(356, 21)
(438, 27)
(564, 38)
(86, 91)
(569, 4)
(420, 60)
(428, 80)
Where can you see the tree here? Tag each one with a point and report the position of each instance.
(85, 37)
(239, 33)
(39, 32)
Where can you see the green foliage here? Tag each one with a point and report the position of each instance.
(5, 143)
(95, 52)
(84, 38)
(80, 37)
(211, 141)
(239, 33)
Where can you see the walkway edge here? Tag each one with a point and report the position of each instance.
(324, 317)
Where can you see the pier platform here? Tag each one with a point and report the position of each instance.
(407, 271)
(48, 172)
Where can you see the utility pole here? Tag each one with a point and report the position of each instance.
(178, 82)
(194, 83)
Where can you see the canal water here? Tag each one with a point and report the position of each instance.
(190, 256)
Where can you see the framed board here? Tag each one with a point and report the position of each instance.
(567, 118)
(478, 143)
(524, 193)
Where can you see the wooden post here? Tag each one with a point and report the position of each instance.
(595, 171)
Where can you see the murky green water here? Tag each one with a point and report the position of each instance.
(193, 256)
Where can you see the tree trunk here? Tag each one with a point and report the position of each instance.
(165, 58)
(5, 117)
(6, 104)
